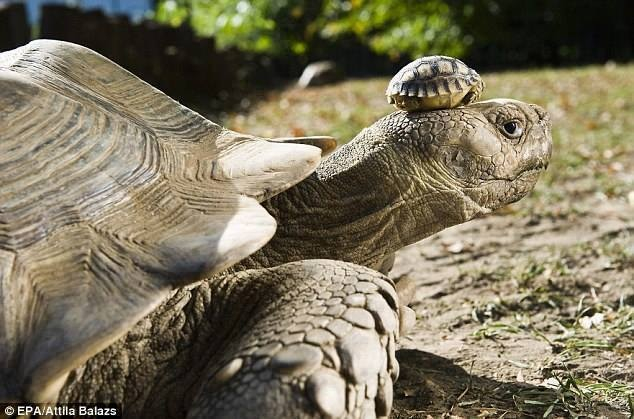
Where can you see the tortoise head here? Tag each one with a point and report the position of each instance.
(408, 176)
(431, 170)
(491, 151)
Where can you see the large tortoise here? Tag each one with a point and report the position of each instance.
(130, 229)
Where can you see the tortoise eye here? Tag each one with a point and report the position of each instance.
(512, 129)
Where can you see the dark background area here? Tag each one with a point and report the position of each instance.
(175, 55)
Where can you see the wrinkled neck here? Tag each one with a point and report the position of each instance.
(341, 212)
(362, 204)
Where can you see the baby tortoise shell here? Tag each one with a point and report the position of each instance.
(435, 82)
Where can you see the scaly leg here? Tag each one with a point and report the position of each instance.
(321, 343)
(306, 339)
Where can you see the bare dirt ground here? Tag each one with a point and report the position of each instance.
(505, 309)
(528, 312)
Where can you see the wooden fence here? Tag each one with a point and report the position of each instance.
(172, 59)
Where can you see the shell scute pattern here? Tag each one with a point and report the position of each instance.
(435, 82)
(112, 195)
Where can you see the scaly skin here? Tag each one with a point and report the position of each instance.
(406, 177)
(270, 343)
(211, 351)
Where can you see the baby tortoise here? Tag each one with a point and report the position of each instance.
(435, 82)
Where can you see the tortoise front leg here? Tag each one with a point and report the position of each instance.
(320, 342)
(304, 339)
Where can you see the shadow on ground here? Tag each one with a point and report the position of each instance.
(433, 386)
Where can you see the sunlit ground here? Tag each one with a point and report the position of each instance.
(592, 111)
(507, 303)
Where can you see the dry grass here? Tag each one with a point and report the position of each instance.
(559, 296)
(590, 108)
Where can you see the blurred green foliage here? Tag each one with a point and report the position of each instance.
(278, 27)
(392, 26)
(360, 34)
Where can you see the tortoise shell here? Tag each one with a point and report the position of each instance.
(435, 82)
(112, 195)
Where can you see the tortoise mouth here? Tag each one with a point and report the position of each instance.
(525, 171)
(530, 172)
(507, 191)
(540, 166)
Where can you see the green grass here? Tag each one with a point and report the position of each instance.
(570, 395)
(592, 111)
(586, 327)
(491, 330)
(564, 395)
(592, 133)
